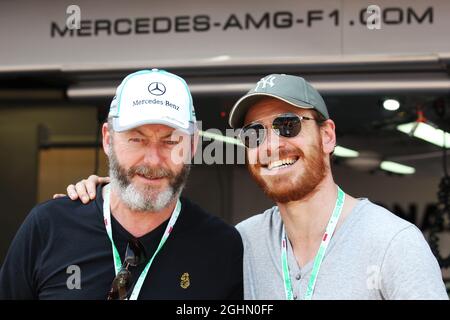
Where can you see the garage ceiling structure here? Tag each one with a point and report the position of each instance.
(354, 89)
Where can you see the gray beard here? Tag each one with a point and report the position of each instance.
(138, 201)
(146, 199)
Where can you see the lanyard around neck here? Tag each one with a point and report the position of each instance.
(320, 253)
(116, 256)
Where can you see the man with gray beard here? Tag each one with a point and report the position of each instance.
(139, 239)
(149, 199)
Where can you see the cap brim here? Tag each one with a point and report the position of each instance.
(240, 108)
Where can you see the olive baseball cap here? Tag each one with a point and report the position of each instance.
(291, 89)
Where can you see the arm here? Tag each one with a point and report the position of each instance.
(236, 269)
(409, 270)
(19, 272)
(85, 190)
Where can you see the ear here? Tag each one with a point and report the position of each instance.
(106, 138)
(328, 133)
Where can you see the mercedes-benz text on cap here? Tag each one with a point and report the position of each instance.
(153, 97)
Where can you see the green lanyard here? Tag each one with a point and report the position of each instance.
(320, 253)
(116, 256)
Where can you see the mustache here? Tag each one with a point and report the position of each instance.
(264, 158)
(149, 172)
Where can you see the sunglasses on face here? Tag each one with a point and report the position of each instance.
(121, 285)
(286, 125)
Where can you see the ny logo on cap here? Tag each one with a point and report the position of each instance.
(157, 88)
(264, 82)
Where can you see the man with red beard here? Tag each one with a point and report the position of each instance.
(138, 239)
(318, 242)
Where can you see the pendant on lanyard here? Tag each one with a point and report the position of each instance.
(320, 253)
(116, 256)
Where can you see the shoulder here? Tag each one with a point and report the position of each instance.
(49, 209)
(379, 222)
(380, 230)
(386, 226)
(61, 207)
(48, 220)
(63, 213)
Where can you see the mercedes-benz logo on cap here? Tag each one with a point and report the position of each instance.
(157, 88)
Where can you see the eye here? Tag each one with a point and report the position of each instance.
(171, 142)
(135, 140)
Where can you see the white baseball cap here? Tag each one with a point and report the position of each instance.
(153, 97)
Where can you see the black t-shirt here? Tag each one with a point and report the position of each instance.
(202, 258)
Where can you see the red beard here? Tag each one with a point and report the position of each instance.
(283, 188)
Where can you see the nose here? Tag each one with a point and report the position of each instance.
(271, 144)
(152, 155)
(273, 140)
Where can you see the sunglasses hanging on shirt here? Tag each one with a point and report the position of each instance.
(121, 285)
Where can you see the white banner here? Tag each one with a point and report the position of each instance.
(104, 33)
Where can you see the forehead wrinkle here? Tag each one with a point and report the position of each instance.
(158, 132)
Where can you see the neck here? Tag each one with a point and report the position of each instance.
(305, 220)
(138, 223)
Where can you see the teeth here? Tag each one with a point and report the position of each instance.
(279, 163)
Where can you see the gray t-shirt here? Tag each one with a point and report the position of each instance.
(372, 255)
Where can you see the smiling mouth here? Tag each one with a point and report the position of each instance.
(149, 178)
(279, 164)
